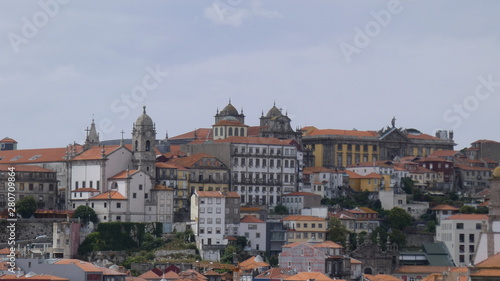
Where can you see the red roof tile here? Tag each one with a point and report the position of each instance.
(444, 207)
(95, 153)
(25, 168)
(113, 195)
(468, 217)
(85, 189)
(302, 218)
(201, 133)
(251, 219)
(42, 155)
(124, 174)
(300, 193)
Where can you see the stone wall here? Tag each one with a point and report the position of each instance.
(29, 229)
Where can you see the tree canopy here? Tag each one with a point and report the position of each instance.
(337, 232)
(26, 207)
(399, 218)
(86, 214)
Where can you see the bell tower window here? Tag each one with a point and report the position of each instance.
(135, 146)
(148, 145)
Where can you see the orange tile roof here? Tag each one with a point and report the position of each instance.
(217, 194)
(353, 175)
(373, 164)
(252, 263)
(123, 174)
(253, 131)
(491, 262)
(367, 210)
(113, 195)
(302, 218)
(201, 133)
(41, 155)
(300, 193)
(444, 207)
(305, 276)
(5, 251)
(7, 140)
(26, 168)
(254, 140)
(355, 261)
(251, 219)
(83, 265)
(211, 273)
(468, 217)
(472, 168)
(276, 273)
(95, 153)
(485, 141)
(422, 269)
(189, 161)
(85, 189)
(487, 272)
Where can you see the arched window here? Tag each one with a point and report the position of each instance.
(135, 146)
(368, 271)
(236, 131)
(230, 132)
(221, 132)
(216, 131)
(114, 185)
(148, 145)
(242, 132)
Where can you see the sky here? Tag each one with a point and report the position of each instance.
(433, 65)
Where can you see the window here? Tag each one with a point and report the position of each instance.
(320, 225)
(460, 226)
(105, 205)
(209, 220)
(140, 186)
(257, 235)
(218, 220)
(305, 225)
(471, 238)
(471, 248)
(313, 225)
(118, 205)
(134, 195)
(461, 238)
(118, 218)
(478, 226)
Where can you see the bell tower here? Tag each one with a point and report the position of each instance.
(143, 144)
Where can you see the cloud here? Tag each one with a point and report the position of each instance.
(232, 13)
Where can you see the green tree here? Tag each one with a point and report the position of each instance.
(466, 209)
(407, 185)
(85, 213)
(398, 236)
(26, 207)
(281, 210)
(337, 232)
(399, 218)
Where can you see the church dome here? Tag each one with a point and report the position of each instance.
(144, 119)
(229, 110)
(274, 111)
(229, 118)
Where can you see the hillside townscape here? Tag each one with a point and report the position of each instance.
(242, 202)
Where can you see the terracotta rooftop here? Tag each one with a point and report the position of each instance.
(380, 277)
(162, 187)
(251, 219)
(113, 195)
(201, 133)
(491, 262)
(444, 207)
(7, 140)
(189, 161)
(468, 217)
(318, 169)
(41, 155)
(306, 276)
(217, 194)
(253, 262)
(25, 168)
(95, 153)
(302, 218)
(123, 174)
(443, 153)
(276, 273)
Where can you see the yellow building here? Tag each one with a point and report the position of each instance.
(370, 182)
(334, 148)
(175, 177)
(303, 228)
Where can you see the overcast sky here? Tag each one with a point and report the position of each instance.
(330, 64)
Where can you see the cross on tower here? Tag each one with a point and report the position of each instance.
(87, 130)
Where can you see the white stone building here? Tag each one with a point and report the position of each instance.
(461, 233)
(254, 230)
